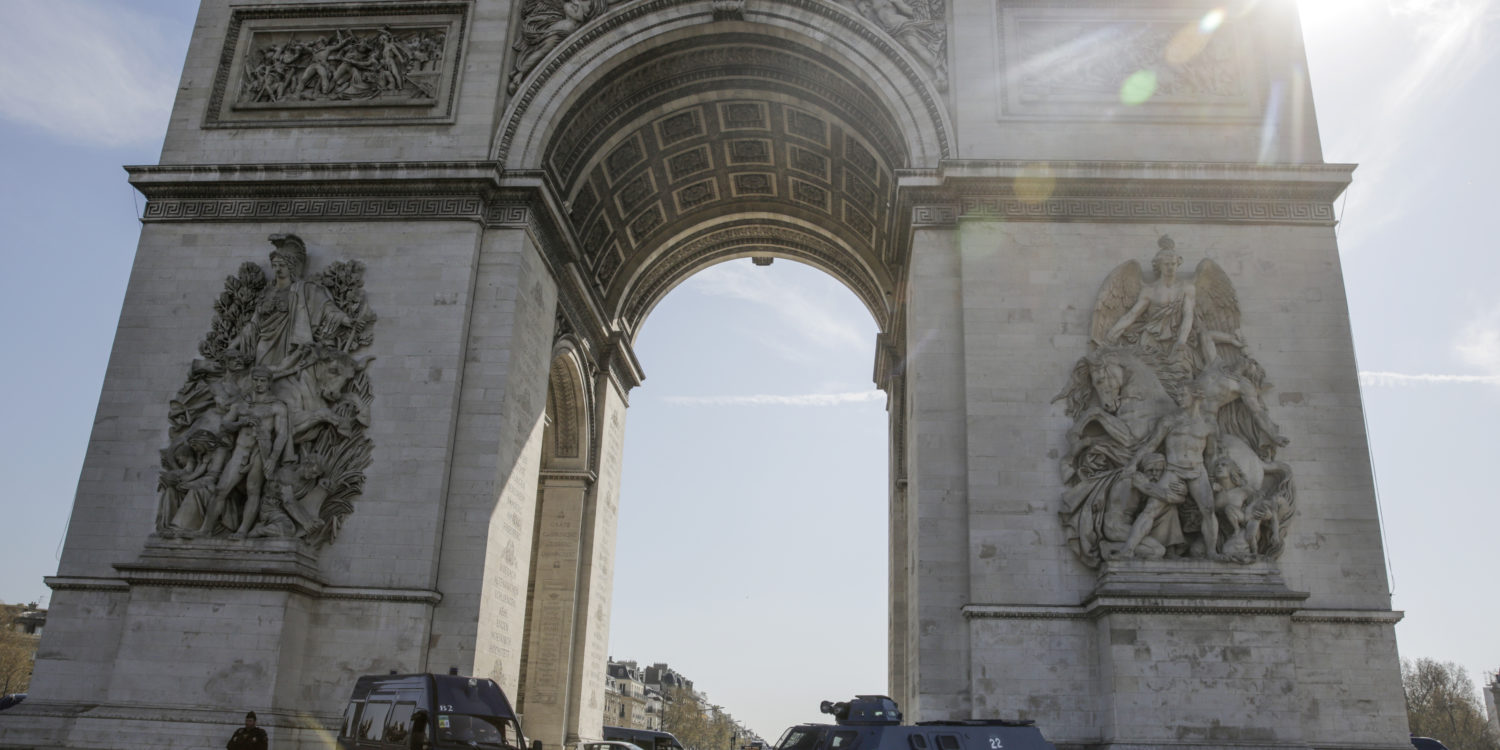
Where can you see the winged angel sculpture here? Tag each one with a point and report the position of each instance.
(1172, 451)
(544, 24)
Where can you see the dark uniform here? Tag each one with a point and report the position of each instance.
(248, 737)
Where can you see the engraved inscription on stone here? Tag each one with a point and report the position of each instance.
(1128, 63)
(332, 65)
(267, 436)
(1172, 452)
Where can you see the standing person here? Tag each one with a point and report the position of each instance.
(248, 737)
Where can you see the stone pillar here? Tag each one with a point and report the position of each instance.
(572, 579)
(596, 584)
(556, 571)
(938, 470)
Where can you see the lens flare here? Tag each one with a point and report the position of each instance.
(1211, 21)
(1035, 184)
(1270, 127)
(1185, 45)
(1138, 87)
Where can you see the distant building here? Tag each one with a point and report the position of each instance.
(19, 651)
(31, 622)
(1492, 701)
(625, 696)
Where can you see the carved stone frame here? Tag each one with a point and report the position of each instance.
(1095, 22)
(246, 23)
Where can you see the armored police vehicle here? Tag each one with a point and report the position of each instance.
(430, 712)
(872, 722)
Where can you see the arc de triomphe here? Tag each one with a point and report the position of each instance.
(367, 398)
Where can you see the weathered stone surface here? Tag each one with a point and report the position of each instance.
(513, 243)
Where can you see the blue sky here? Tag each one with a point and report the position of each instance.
(758, 403)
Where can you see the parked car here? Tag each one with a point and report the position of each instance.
(647, 739)
(607, 745)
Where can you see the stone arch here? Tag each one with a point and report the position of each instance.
(660, 140)
(567, 438)
(671, 141)
(597, 51)
(757, 237)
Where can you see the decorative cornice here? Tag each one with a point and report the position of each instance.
(624, 369)
(564, 476)
(1102, 606)
(85, 583)
(1158, 192)
(1349, 616)
(269, 564)
(404, 191)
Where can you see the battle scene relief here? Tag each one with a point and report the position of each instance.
(1172, 450)
(267, 437)
(344, 65)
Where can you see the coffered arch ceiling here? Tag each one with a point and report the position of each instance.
(727, 145)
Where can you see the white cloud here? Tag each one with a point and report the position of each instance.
(1478, 344)
(1394, 379)
(804, 399)
(99, 73)
(814, 320)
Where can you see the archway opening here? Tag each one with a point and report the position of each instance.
(679, 152)
(753, 537)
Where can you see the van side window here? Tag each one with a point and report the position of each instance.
(918, 742)
(398, 724)
(843, 740)
(947, 742)
(351, 718)
(372, 723)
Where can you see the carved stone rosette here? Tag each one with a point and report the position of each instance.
(1172, 451)
(267, 437)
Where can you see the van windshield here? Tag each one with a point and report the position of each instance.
(477, 731)
(800, 738)
(471, 696)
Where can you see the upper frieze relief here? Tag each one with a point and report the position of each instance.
(1126, 63)
(331, 65)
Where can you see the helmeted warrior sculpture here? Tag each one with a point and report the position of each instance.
(1172, 451)
(267, 436)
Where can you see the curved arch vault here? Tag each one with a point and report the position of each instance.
(515, 184)
(675, 150)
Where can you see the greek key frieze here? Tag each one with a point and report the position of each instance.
(314, 208)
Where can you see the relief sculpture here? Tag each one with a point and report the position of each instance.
(267, 436)
(344, 65)
(1172, 451)
(544, 24)
(918, 25)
